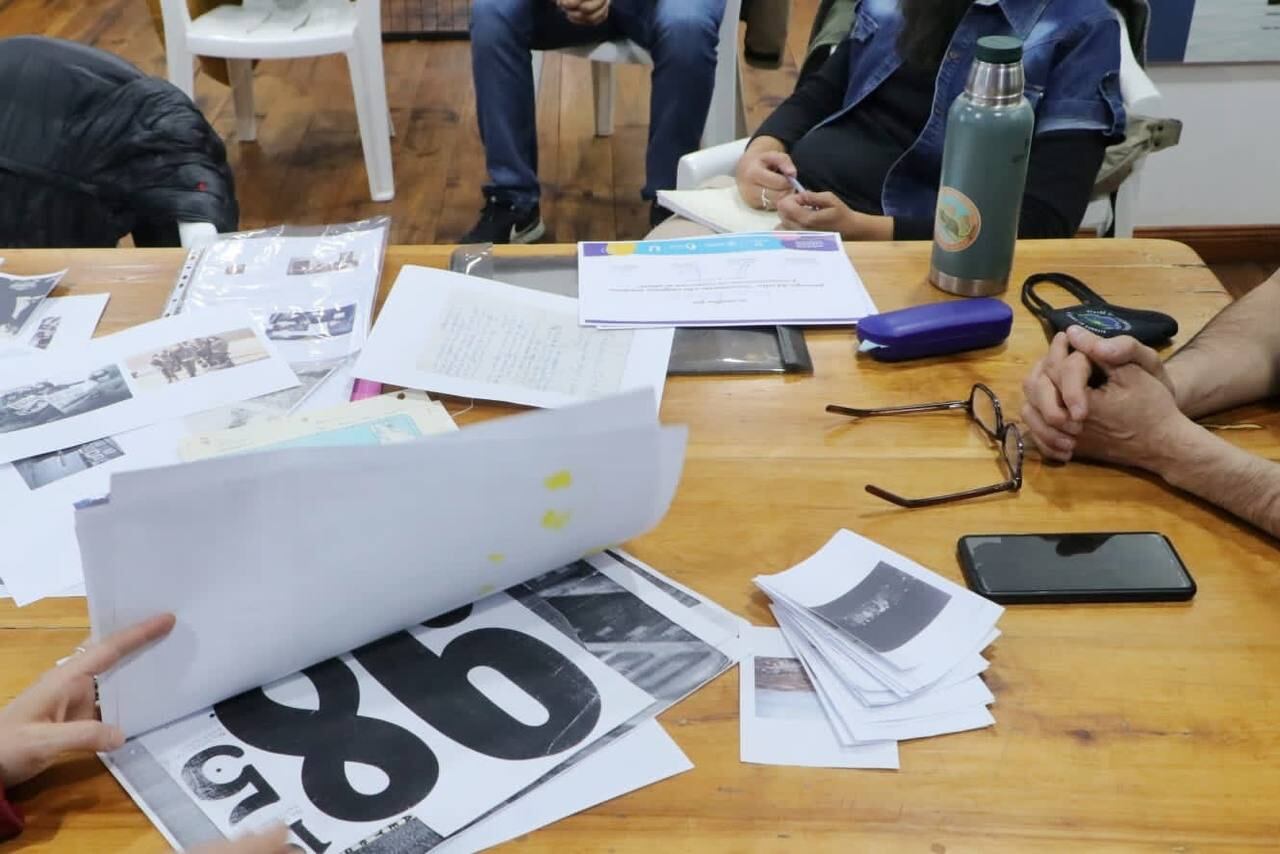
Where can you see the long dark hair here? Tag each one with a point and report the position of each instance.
(927, 29)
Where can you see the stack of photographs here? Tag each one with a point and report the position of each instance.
(883, 648)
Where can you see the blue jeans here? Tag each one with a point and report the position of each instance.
(682, 36)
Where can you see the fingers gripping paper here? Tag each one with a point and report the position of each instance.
(275, 561)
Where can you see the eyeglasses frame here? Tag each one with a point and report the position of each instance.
(999, 435)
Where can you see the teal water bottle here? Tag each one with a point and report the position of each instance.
(984, 171)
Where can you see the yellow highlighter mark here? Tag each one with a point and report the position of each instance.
(562, 479)
(497, 557)
(554, 520)
(487, 589)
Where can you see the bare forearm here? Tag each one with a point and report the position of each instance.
(1235, 359)
(1241, 483)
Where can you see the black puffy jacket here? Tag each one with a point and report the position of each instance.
(92, 149)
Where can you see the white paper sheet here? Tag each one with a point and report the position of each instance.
(70, 592)
(782, 721)
(58, 323)
(644, 756)
(150, 373)
(720, 209)
(458, 335)
(494, 699)
(39, 494)
(905, 622)
(791, 278)
(275, 548)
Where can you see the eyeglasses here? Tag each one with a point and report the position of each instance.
(983, 406)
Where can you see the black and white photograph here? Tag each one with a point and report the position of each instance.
(652, 652)
(311, 266)
(318, 323)
(45, 330)
(266, 407)
(886, 609)
(47, 401)
(195, 357)
(48, 468)
(19, 297)
(784, 692)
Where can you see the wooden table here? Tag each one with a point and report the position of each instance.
(1120, 728)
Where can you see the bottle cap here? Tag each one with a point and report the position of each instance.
(1002, 50)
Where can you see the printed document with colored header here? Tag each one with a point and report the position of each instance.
(780, 278)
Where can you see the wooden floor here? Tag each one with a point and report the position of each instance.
(306, 165)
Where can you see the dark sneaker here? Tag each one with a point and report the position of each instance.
(501, 222)
(658, 214)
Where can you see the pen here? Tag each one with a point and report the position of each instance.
(796, 185)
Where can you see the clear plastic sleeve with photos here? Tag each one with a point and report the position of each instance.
(312, 288)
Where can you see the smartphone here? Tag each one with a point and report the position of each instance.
(1021, 569)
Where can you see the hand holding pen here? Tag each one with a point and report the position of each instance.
(766, 174)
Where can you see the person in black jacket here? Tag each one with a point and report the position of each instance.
(92, 149)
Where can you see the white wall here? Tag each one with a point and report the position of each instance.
(1227, 169)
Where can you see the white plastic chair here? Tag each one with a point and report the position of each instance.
(723, 119)
(260, 29)
(196, 234)
(1141, 97)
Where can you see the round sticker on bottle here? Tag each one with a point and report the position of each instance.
(958, 223)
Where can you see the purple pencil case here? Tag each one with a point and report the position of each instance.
(935, 329)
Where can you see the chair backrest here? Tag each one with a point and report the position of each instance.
(1136, 86)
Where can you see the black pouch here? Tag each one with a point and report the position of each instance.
(1095, 314)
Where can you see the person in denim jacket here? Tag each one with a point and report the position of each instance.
(864, 135)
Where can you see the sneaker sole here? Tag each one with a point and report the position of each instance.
(529, 235)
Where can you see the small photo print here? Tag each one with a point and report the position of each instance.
(43, 336)
(320, 323)
(19, 297)
(47, 468)
(784, 692)
(195, 357)
(886, 609)
(311, 266)
(52, 400)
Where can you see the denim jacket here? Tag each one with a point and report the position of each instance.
(1072, 59)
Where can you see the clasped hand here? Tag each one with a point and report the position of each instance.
(585, 13)
(1133, 419)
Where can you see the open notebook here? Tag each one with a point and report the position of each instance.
(718, 208)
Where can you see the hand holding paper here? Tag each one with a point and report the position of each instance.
(58, 713)
(276, 550)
